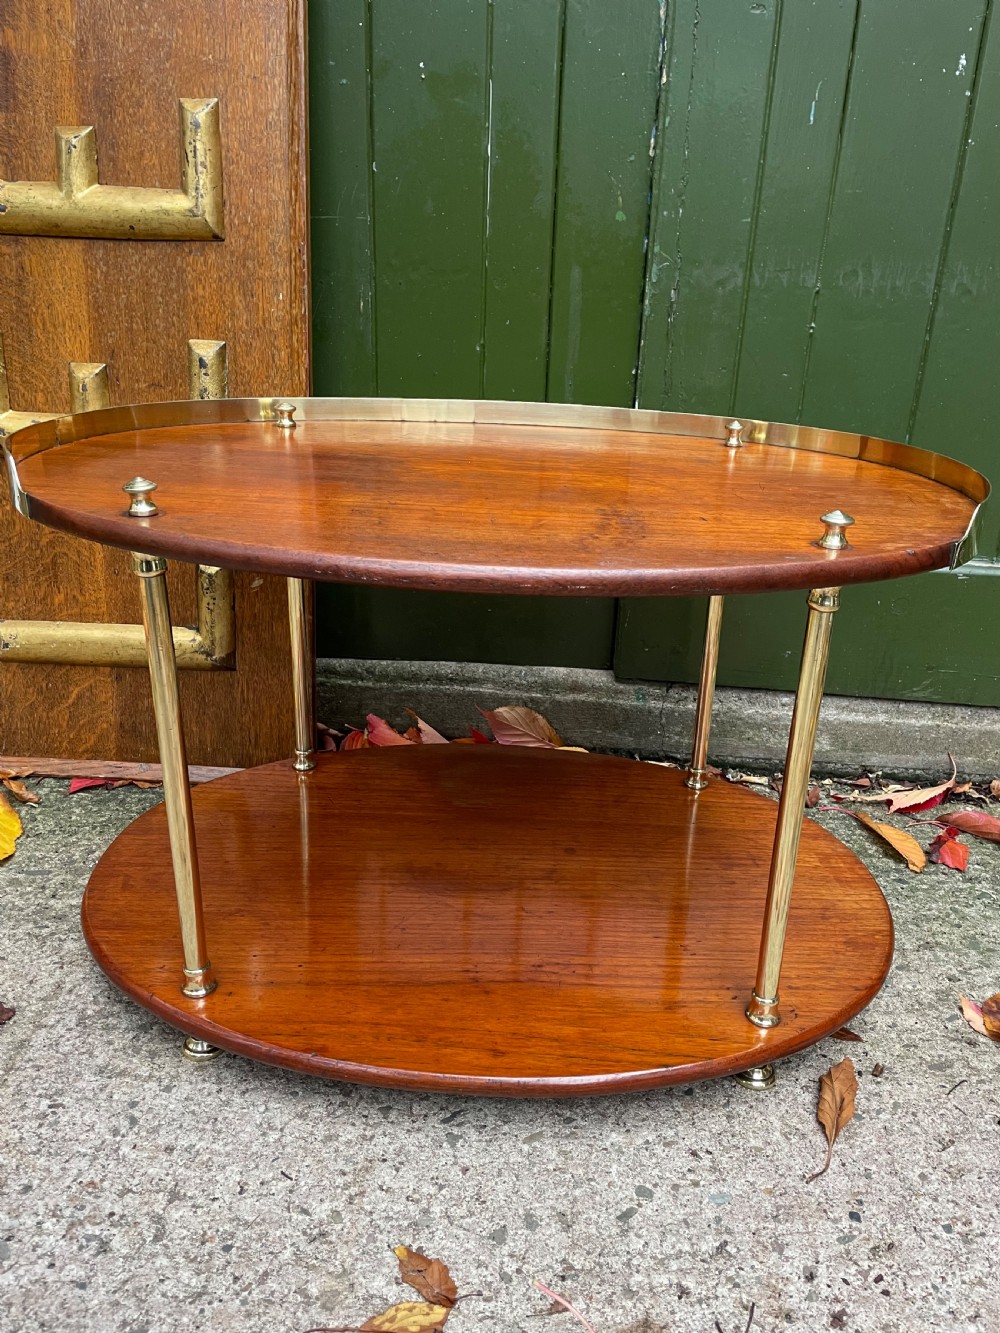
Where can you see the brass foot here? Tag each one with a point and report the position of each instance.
(760, 1078)
(697, 779)
(199, 1052)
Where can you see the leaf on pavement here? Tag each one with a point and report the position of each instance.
(837, 1090)
(7, 1012)
(945, 850)
(428, 1276)
(380, 733)
(898, 839)
(845, 1034)
(995, 787)
(355, 740)
(991, 1016)
(10, 828)
(23, 793)
(976, 822)
(408, 1317)
(972, 1012)
(522, 726)
(428, 735)
(84, 784)
(923, 798)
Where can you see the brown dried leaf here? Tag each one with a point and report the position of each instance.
(522, 726)
(991, 1016)
(845, 1034)
(976, 822)
(812, 797)
(898, 839)
(428, 1276)
(972, 1012)
(750, 778)
(860, 782)
(7, 1012)
(10, 827)
(408, 1317)
(837, 1089)
(878, 1070)
(23, 793)
(995, 788)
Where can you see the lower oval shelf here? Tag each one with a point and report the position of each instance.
(490, 920)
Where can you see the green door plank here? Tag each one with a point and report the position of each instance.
(610, 91)
(343, 350)
(718, 79)
(930, 637)
(522, 127)
(903, 131)
(807, 104)
(958, 407)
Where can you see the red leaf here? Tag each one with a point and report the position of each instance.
(946, 851)
(355, 740)
(478, 737)
(82, 784)
(380, 733)
(976, 822)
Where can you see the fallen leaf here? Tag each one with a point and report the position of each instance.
(355, 740)
(23, 793)
(428, 1276)
(812, 797)
(837, 1090)
(860, 782)
(408, 1317)
(427, 733)
(845, 1034)
(922, 798)
(6, 1014)
(995, 788)
(478, 738)
(380, 733)
(10, 828)
(750, 778)
(972, 1012)
(991, 1016)
(898, 839)
(946, 851)
(976, 822)
(412, 735)
(84, 784)
(963, 789)
(522, 726)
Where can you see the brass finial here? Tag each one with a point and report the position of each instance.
(140, 490)
(286, 413)
(833, 539)
(734, 434)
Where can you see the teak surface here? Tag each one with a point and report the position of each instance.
(134, 305)
(508, 508)
(489, 920)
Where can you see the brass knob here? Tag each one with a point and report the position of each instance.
(286, 413)
(834, 538)
(734, 434)
(140, 490)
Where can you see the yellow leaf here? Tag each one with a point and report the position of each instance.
(900, 841)
(408, 1317)
(10, 828)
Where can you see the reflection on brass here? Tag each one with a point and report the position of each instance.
(286, 414)
(140, 490)
(88, 386)
(697, 778)
(75, 204)
(152, 570)
(759, 1078)
(208, 369)
(209, 647)
(300, 621)
(834, 537)
(763, 1007)
(734, 434)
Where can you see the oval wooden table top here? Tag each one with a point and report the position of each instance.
(503, 497)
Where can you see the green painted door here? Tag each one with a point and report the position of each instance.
(779, 209)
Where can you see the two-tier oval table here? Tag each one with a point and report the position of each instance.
(491, 919)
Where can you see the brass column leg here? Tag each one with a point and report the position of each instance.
(697, 778)
(198, 978)
(300, 621)
(763, 1007)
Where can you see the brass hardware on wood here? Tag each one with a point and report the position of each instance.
(834, 537)
(75, 204)
(140, 490)
(88, 386)
(208, 369)
(734, 434)
(286, 415)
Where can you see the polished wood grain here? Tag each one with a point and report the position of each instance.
(133, 306)
(499, 507)
(489, 920)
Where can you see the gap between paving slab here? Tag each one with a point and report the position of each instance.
(594, 709)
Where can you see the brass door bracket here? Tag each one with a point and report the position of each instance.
(76, 204)
(211, 645)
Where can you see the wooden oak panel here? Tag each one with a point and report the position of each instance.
(518, 508)
(134, 305)
(515, 935)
